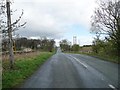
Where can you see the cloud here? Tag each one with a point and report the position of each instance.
(83, 40)
(53, 18)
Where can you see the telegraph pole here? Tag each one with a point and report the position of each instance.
(11, 54)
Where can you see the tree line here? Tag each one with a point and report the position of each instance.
(19, 44)
(66, 45)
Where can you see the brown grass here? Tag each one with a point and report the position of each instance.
(5, 58)
(20, 56)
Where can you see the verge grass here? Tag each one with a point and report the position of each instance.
(23, 68)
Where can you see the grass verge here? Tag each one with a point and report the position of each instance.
(113, 59)
(23, 69)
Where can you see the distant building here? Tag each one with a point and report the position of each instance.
(27, 49)
(74, 40)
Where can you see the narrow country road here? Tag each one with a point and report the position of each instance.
(74, 71)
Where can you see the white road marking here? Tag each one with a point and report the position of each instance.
(111, 86)
(79, 61)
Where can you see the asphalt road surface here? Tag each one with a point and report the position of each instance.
(74, 71)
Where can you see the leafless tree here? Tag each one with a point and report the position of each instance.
(2, 13)
(6, 27)
(106, 20)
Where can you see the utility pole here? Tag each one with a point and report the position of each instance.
(11, 54)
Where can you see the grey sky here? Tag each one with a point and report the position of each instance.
(56, 18)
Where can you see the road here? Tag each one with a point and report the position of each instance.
(74, 71)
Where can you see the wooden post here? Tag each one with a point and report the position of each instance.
(11, 54)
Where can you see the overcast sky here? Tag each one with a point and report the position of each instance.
(57, 19)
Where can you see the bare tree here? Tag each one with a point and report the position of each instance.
(106, 20)
(65, 45)
(2, 13)
(10, 27)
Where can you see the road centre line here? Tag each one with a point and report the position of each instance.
(111, 86)
(69, 56)
(79, 61)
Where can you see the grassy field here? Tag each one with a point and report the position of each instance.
(23, 68)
